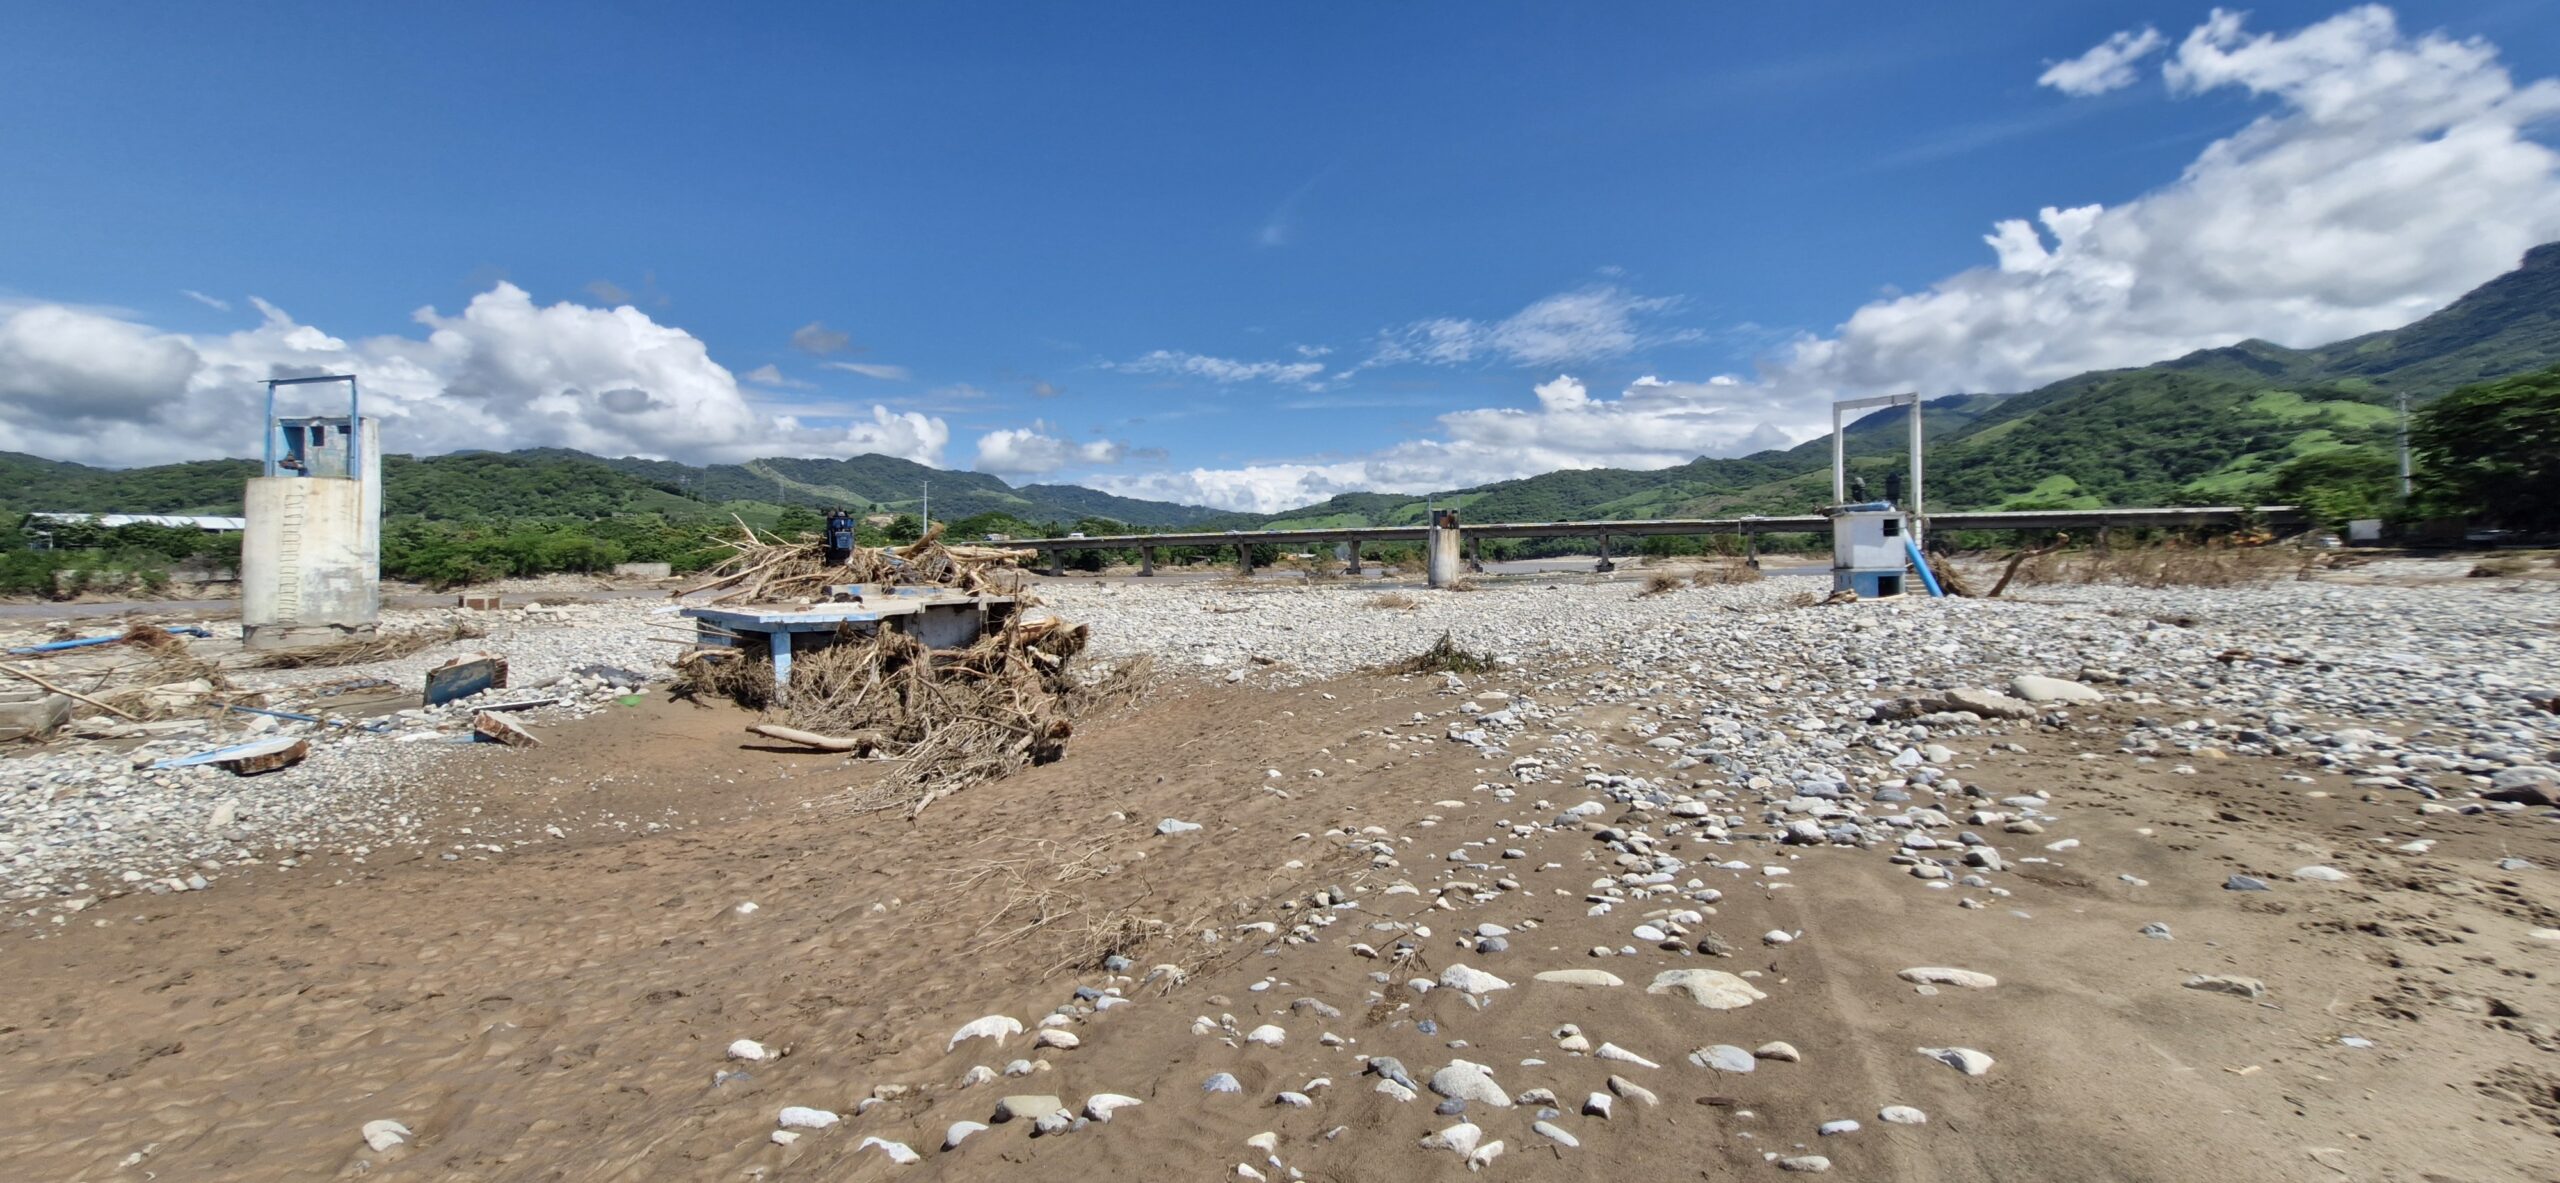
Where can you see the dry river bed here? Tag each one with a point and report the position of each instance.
(1699, 885)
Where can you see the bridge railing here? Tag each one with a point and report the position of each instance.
(2168, 517)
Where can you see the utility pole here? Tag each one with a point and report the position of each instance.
(928, 505)
(2405, 487)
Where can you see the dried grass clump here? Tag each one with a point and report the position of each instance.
(1047, 898)
(1463, 584)
(2500, 568)
(2170, 565)
(151, 636)
(1713, 574)
(1445, 656)
(769, 570)
(381, 646)
(1320, 569)
(137, 690)
(1661, 583)
(1396, 600)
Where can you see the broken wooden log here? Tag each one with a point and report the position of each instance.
(71, 694)
(2019, 559)
(859, 743)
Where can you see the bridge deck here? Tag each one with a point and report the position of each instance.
(2071, 519)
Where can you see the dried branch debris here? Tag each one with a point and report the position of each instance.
(1445, 656)
(363, 650)
(771, 571)
(951, 718)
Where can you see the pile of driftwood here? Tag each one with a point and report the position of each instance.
(950, 718)
(769, 570)
(147, 673)
(365, 649)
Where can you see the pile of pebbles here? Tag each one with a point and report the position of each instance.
(84, 821)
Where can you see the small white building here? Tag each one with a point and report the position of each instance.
(1868, 554)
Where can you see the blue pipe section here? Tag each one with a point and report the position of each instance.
(109, 639)
(1928, 578)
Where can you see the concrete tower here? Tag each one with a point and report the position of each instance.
(311, 559)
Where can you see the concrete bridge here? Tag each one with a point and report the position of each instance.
(1748, 528)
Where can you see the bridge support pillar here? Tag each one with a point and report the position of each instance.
(1146, 560)
(1440, 549)
(1244, 559)
(1353, 549)
(1475, 554)
(1057, 561)
(1604, 566)
(1751, 549)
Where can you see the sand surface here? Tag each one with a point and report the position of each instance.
(561, 1011)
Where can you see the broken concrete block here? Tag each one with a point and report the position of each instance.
(34, 718)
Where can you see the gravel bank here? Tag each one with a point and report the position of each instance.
(2459, 668)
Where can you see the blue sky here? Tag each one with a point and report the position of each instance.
(1204, 253)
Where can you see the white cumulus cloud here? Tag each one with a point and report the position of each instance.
(869, 370)
(502, 373)
(2390, 173)
(2107, 66)
(1224, 371)
(1036, 451)
(770, 374)
(1591, 324)
(1652, 424)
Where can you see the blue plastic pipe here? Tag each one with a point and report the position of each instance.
(1928, 578)
(109, 639)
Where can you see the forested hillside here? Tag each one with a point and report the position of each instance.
(2249, 422)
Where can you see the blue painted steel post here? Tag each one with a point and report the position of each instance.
(355, 431)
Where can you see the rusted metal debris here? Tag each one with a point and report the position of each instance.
(494, 728)
(465, 676)
(248, 759)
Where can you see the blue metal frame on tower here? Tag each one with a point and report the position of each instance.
(355, 419)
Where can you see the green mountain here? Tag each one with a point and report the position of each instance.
(31, 483)
(559, 483)
(892, 485)
(2235, 424)
(2215, 426)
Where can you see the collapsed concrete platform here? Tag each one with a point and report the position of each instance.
(940, 618)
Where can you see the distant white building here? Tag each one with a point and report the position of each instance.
(208, 524)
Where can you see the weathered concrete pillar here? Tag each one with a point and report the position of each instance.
(1751, 549)
(1353, 568)
(1475, 554)
(1605, 566)
(311, 556)
(1146, 560)
(1057, 561)
(1244, 559)
(1440, 548)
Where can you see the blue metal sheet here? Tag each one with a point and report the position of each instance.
(464, 679)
